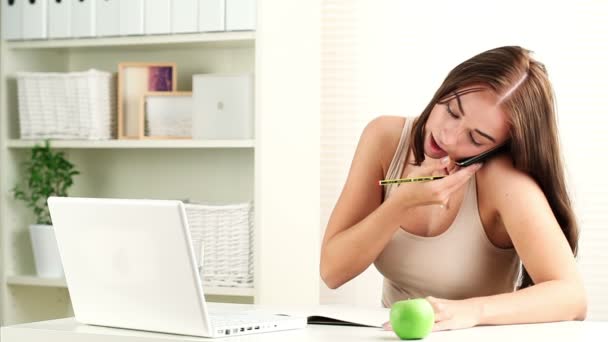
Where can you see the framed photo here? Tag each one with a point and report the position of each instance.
(134, 80)
(166, 115)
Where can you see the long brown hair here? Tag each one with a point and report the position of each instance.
(527, 96)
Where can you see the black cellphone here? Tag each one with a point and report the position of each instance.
(481, 157)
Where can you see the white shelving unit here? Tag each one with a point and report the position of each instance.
(284, 54)
(181, 169)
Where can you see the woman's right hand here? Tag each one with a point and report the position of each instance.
(436, 192)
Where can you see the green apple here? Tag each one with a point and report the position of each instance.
(412, 318)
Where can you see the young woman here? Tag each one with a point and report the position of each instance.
(491, 244)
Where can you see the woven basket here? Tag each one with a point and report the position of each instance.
(223, 235)
(77, 105)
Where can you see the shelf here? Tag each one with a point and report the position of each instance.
(229, 291)
(57, 282)
(35, 281)
(126, 144)
(219, 39)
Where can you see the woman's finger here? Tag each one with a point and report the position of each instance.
(387, 326)
(431, 167)
(443, 325)
(459, 178)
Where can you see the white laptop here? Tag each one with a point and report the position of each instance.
(130, 264)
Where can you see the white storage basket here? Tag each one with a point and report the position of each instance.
(223, 234)
(76, 105)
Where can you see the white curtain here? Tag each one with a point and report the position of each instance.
(389, 56)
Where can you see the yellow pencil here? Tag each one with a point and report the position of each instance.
(408, 180)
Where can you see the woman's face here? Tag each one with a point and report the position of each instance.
(466, 125)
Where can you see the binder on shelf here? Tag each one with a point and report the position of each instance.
(211, 15)
(33, 19)
(60, 20)
(108, 18)
(157, 18)
(131, 17)
(184, 16)
(240, 15)
(83, 18)
(12, 14)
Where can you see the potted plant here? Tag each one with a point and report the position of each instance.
(47, 173)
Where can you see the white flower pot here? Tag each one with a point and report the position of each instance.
(46, 253)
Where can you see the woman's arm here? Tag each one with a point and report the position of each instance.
(558, 293)
(360, 224)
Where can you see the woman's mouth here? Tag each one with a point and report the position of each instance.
(436, 150)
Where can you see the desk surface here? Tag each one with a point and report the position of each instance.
(68, 330)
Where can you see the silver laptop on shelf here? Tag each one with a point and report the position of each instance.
(130, 264)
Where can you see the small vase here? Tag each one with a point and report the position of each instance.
(46, 253)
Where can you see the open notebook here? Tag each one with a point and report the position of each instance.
(338, 314)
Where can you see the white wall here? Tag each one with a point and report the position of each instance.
(287, 151)
(396, 53)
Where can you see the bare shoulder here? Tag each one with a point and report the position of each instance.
(383, 134)
(502, 182)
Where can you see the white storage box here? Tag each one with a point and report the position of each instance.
(34, 18)
(222, 239)
(240, 15)
(12, 15)
(157, 16)
(60, 19)
(77, 105)
(223, 106)
(211, 14)
(83, 18)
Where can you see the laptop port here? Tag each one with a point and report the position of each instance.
(257, 328)
(249, 328)
(242, 329)
(227, 331)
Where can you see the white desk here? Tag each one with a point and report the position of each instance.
(67, 330)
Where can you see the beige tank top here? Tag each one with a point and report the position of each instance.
(459, 263)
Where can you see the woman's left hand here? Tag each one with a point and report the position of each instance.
(452, 314)
(455, 314)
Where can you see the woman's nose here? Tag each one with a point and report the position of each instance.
(449, 136)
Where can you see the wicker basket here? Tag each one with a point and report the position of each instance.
(77, 105)
(223, 234)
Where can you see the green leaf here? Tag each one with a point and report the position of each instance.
(47, 173)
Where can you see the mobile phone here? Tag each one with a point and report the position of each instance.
(481, 157)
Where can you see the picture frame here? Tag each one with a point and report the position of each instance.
(134, 80)
(166, 115)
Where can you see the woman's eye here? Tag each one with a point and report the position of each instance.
(473, 140)
(450, 111)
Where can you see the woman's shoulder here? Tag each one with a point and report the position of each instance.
(500, 175)
(383, 133)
